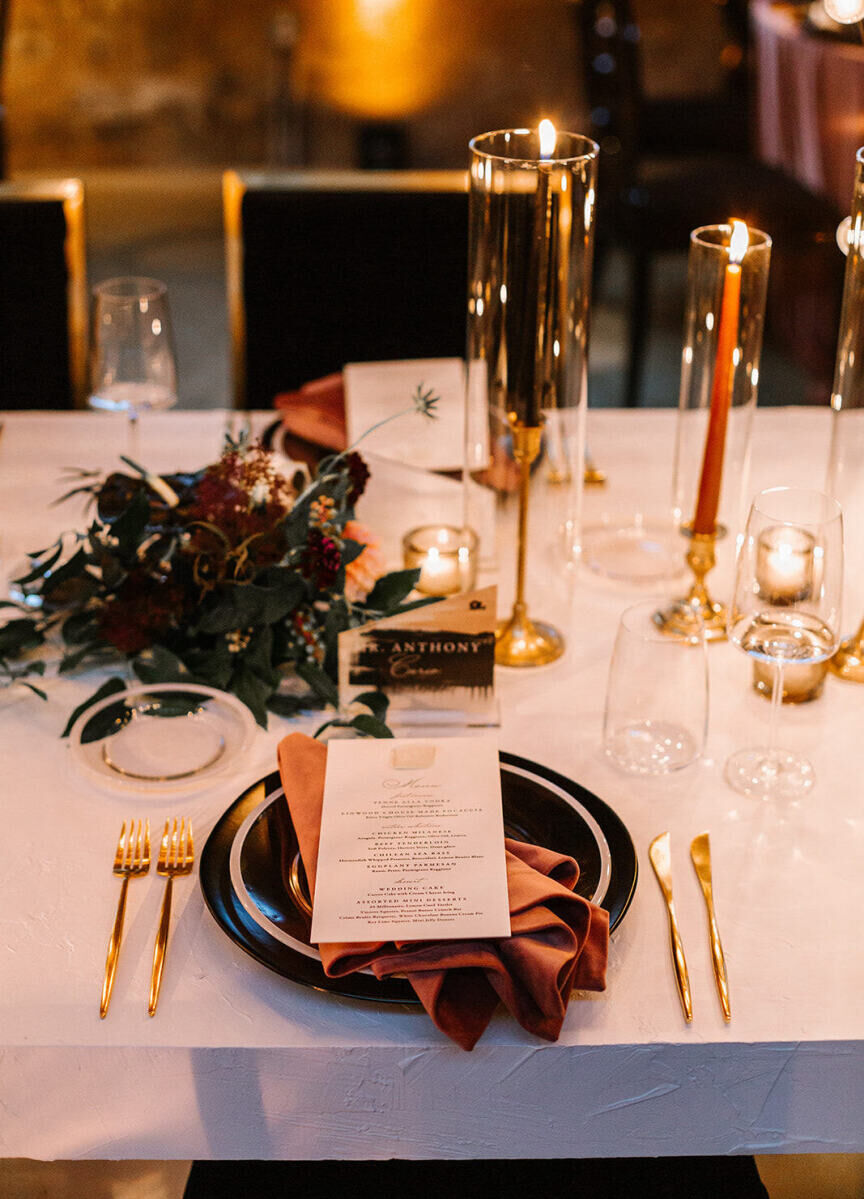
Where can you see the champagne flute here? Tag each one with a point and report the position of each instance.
(786, 609)
(132, 363)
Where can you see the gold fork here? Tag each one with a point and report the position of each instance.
(131, 857)
(176, 856)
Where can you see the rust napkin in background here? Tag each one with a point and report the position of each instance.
(558, 942)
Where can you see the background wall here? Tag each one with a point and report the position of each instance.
(103, 83)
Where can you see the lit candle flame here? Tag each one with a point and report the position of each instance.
(738, 242)
(548, 137)
(846, 12)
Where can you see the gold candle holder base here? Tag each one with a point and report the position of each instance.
(848, 662)
(521, 641)
(683, 618)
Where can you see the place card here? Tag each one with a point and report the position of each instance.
(376, 391)
(412, 842)
(438, 657)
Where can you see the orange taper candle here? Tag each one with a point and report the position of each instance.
(721, 390)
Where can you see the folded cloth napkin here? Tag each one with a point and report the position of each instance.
(558, 940)
(316, 412)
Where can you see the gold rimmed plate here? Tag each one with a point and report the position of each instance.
(161, 738)
(254, 885)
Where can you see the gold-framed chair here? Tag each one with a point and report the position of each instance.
(43, 294)
(329, 267)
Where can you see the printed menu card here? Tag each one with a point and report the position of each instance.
(412, 842)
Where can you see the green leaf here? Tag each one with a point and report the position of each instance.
(321, 683)
(111, 687)
(351, 550)
(18, 636)
(376, 701)
(36, 690)
(244, 605)
(211, 666)
(131, 523)
(158, 665)
(391, 589)
(70, 569)
(253, 692)
(370, 727)
(288, 705)
(70, 661)
(43, 565)
(81, 627)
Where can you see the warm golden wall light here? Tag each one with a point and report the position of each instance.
(378, 59)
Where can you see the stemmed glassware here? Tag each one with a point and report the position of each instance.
(786, 610)
(132, 362)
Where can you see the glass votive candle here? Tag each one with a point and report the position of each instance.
(446, 557)
(802, 681)
(786, 561)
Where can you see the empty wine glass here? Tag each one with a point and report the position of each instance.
(786, 609)
(132, 362)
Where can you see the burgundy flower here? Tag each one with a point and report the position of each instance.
(141, 612)
(321, 559)
(358, 475)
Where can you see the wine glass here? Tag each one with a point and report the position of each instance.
(786, 609)
(132, 362)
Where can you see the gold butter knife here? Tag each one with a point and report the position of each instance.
(700, 853)
(659, 853)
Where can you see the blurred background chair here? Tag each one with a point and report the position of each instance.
(43, 295)
(350, 266)
(670, 164)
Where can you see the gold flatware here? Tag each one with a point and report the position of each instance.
(661, 860)
(176, 857)
(132, 857)
(700, 854)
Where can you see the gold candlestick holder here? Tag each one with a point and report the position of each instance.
(848, 662)
(685, 616)
(521, 641)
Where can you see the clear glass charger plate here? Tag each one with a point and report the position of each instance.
(161, 738)
(255, 887)
(633, 549)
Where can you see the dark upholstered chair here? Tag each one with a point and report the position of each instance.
(43, 295)
(349, 266)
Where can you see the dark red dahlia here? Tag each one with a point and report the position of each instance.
(358, 475)
(321, 559)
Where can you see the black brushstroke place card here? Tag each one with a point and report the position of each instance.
(436, 659)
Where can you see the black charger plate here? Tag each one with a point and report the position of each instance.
(540, 806)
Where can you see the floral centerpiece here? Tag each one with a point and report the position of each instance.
(231, 576)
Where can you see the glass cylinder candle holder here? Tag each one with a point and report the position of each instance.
(704, 356)
(845, 480)
(531, 231)
(727, 282)
(446, 557)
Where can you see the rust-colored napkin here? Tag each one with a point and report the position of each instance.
(558, 940)
(315, 413)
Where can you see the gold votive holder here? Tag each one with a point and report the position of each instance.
(446, 557)
(802, 681)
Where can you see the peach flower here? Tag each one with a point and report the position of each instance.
(362, 573)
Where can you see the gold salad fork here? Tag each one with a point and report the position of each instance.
(176, 857)
(132, 857)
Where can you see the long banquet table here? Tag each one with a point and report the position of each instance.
(240, 1063)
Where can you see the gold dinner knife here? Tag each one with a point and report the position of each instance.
(700, 853)
(658, 852)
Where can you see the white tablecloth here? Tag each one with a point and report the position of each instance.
(242, 1063)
